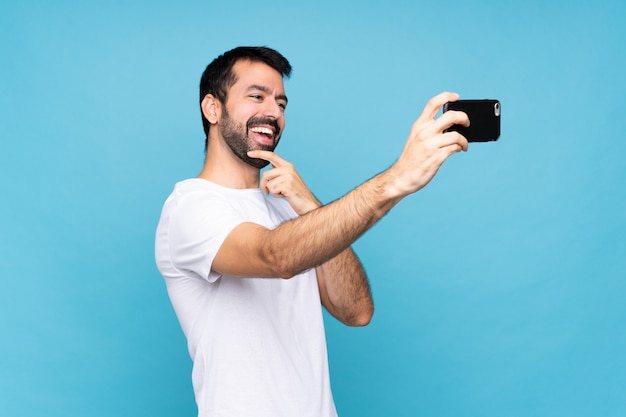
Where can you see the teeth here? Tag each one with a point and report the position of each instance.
(263, 130)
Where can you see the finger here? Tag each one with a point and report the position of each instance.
(264, 186)
(450, 118)
(265, 182)
(270, 156)
(451, 139)
(434, 104)
(272, 175)
(277, 186)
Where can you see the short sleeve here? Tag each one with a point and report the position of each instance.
(199, 224)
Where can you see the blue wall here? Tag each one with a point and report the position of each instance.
(499, 288)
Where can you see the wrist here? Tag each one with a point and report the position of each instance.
(303, 209)
(392, 185)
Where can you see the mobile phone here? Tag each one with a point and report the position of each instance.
(484, 116)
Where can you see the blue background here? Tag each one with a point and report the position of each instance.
(499, 288)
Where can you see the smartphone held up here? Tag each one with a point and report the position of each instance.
(484, 116)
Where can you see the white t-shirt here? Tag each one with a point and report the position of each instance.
(257, 344)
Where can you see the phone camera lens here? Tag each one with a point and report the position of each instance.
(496, 109)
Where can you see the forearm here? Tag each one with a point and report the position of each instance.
(345, 290)
(322, 234)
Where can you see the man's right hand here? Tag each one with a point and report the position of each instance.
(427, 146)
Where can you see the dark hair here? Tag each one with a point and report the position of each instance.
(218, 76)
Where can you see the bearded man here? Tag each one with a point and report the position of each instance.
(249, 259)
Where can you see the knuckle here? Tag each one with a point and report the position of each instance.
(433, 102)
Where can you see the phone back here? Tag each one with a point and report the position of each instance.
(484, 116)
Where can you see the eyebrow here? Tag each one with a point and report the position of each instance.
(266, 91)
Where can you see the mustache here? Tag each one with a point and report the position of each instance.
(264, 121)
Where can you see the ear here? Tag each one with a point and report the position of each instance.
(211, 108)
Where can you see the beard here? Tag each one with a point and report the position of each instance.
(236, 136)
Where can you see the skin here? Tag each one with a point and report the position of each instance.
(330, 229)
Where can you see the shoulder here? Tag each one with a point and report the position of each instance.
(195, 193)
(282, 207)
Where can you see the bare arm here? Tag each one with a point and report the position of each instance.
(322, 234)
(305, 242)
(344, 289)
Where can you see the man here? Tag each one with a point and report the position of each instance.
(248, 259)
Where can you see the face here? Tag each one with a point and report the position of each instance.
(253, 117)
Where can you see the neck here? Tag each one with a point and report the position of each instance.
(223, 167)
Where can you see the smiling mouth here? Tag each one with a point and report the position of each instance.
(263, 130)
(263, 134)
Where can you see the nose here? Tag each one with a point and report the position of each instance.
(272, 109)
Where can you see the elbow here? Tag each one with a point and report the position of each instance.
(285, 274)
(362, 319)
(285, 269)
(277, 265)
